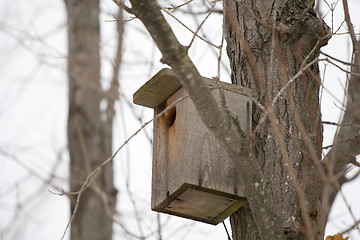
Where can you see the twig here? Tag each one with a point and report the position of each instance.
(113, 91)
(220, 55)
(342, 69)
(202, 12)
(91, 177)
(337, 124)
(351, 227)
(258, 20)
(332, 7)
(356, 223)
(336, 59)
(240, 88)
(117, 19)
(184, 25)
(173, 8)
(350, 27)
(282, 90)
(196, 20)
(123, 6)
(222, 94)
(199, 27)
(355, 163)
(338, 29)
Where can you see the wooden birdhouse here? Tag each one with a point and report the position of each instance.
(192, 176)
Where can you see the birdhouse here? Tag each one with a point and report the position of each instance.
(192, 176)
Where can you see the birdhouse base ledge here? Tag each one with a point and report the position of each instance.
(200, 204)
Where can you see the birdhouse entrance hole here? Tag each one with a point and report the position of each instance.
(192, 176)
(170, 116)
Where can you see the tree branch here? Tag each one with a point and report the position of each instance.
(346, 144)
(123, 6)
(347, 141)
(225, 129)
(350, 26)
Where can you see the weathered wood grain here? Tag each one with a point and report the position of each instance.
(159, 88)
(192, 175)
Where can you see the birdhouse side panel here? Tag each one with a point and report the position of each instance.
(186, 152)
(167, 173)
(207, 163)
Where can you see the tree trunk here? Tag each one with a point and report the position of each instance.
(89, 130)
(279, 54)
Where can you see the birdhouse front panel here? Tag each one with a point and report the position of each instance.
(192, 175)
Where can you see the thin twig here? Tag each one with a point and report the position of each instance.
(355, 163)
(196, 20)
(91, 177)
(351, 227)
(258, 20)
(282, 90)
(222, 94)
(184, 25)
(117, 19)
(173, 8)
(201, 24)
(220, 54)
(336, 59)
(123, 6)
(350, 26)
(342, 69)
(337, 124)
(356, 223)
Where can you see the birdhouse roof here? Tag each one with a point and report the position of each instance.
(159, 88)
(164, 84)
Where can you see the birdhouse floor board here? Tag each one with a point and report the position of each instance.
(200, 204)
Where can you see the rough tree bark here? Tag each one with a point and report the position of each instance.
(280, 35)
(89, 127)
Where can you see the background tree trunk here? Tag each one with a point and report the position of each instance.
(279, 54)
(89, 126)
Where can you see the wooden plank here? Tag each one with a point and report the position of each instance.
(200, 204)
(159, 88)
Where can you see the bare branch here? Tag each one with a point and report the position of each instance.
(173, 8)
(195, 33)
(350, 26)
(199, 27)
(336, 59)
(338, 124)
(355, 163)
(92, 176)
(114, 88)
(123, 6)
(351, 227)
(346, 144)
(282, 90)
(258, 20)
(342, 69)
